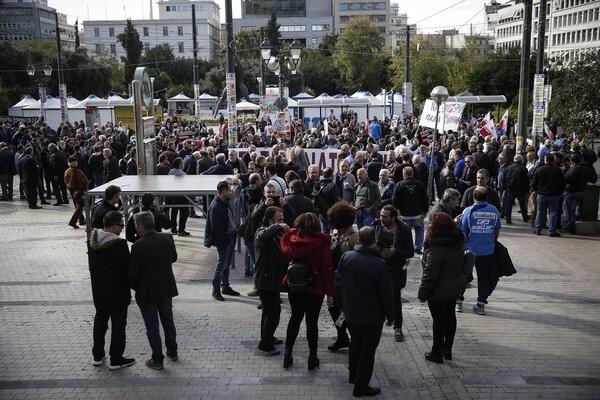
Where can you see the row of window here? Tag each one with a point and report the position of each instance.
(14, 39)
(573, 3)
(374, 18)
(585, 35)
(199, 7)
(113, 47)
(362, 6)
(145, 31)
(8, 24)
(264, 8)
(302, 28)
(16, 11)
(577, 18)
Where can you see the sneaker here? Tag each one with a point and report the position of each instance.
(125, 362)
(458, 307)
(269, 352)
(218, 296)
(230, 292)
(98, 361)
(398, 335)
(418, 251)
(479, 308)
(253, 293)
(154, 365)
(173, 356)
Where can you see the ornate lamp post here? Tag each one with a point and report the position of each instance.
(281, 64)
(41, 75)
(439, 94)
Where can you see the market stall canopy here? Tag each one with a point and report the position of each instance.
(253, 97)
(205, 96)
(52, 103)
(328, 101)
(25, 101)
(246, 106)
(478, 99)
(303, 96)
(91, 101)
(180, 97)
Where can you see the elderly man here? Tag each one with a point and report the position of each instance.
(111, 166)
(236, 163)
(449, 203)
(367, 199)
(386, 187)
(345, 181)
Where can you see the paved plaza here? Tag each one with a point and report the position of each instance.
(540, 338)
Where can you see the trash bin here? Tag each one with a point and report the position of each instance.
(589, 203)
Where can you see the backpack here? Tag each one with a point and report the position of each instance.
(299, 276)
(318, 199)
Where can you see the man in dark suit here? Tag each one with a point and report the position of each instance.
(30, 170)
(151, 276)
(363, 287)
(468, 177)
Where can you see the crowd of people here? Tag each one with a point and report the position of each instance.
(351, 230)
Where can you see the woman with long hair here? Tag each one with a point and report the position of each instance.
(307, 243)
(442, 282)
(341, 218)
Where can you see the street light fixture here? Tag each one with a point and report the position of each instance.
(40, 75)
(439, 95)
(280, 64)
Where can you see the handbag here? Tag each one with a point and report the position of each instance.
(468, 262)
(299, 276)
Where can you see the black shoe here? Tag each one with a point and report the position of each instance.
(368, 391)
(288, 360)
(340, 343)
(508, 222)
(526, 218)
(259, 306)
(183, 233)
(269, 352)
(418, 251)
(124, 362)
(154, 365)
(74, 226)
(46, 203)
(218, 296)
(36, 207)
(536, 233)
(230, 292)
(276, 340)
(172, 356)
(447, 354)
(247, 275)
(433, 358)
(56, 204)
(313, 361)
(554, 234)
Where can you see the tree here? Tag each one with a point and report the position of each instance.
(158, 56)
(133, 46)
(319, 72)
(247, 44)
(357, 57)
(576, 95)
(77, 41)
(272, 33)
(499, 73)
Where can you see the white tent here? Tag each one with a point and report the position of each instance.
(17, 109)
(91, 101)
(181, 104)
(246, 106)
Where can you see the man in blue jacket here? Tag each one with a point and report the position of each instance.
(481, 225)
(220, 232)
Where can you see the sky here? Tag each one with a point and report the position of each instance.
(429, 15)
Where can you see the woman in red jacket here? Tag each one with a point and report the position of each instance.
(305, 242)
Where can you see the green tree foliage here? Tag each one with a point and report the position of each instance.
(158, 56)
(576, 97)
(358, 57)
(133, 46)
(247, 44)
(272, 34)
(499, 73)
(319, 72)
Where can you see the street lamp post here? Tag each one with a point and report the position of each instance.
(43, 74)
(439, 94)
(281, 64)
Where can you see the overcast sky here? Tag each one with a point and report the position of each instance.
(429, 15)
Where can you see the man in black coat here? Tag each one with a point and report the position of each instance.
(151, 276)
(410, 199)
(108, 258)
(30, 171)
(58, 165)
(395, 245)
(297, 200)
(516, 185)
(111, 202)
(549, 183)
(363, 288)
(7, 171)
(111, 166)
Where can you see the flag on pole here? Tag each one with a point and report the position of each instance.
(426, 136)
(487, 126)
(504, 122)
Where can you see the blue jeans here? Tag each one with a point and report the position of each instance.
(249, 257)
(549, 204)
(151, 313)
(570, 203)
(364, 218)
(419, 227)
(224, 256)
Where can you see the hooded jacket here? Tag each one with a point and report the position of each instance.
(108, 258)
(442, 267)
(315, 249)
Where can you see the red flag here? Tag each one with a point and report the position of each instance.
(487, 126)
(504, 121)
(426, 135)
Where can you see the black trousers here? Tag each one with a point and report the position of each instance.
(117, 333)
(399, 276)
(269, 320)
(342, 331)
(304, 303)
(31, 189)
(444, 325)
(361, 356)
(151, 314)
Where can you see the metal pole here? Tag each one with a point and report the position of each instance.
(195, 62)
(524, 79)
(407, 57)
(541, 47)
(139, 126)
(433, 145)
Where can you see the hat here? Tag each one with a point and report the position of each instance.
(72, 159)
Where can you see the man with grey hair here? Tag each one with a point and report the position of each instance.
(151, 276)
(516, 184)
(367, 199)
(111, 166)
(449, 203)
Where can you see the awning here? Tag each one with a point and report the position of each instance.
(478, 99)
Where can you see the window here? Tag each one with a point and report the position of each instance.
(180, 31)
(146, 31)
(111, 32)
(314, 41)
(98, 48)
(181, 49)
(320, 28)
(113, 49)
(97, 32)
(165, 31)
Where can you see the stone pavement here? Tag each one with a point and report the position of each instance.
(540, 338)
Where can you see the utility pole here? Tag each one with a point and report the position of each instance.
(524, 79)
(540, 54)
(195, 61)
(407, 57)
(62, 87)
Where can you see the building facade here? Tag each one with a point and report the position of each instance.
(572, 28)
(378, 12)
(305, 20)
(23, 20)
(173, 27)
(398, 27)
